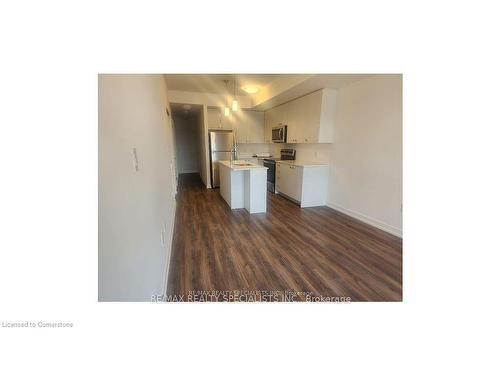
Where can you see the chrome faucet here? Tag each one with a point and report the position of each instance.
(234, 150)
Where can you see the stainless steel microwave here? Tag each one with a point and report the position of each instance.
(279, 134)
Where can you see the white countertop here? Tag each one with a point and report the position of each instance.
(249, 156)
(237, 167)
(302, 163)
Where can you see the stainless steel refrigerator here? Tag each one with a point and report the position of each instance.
(221, 147)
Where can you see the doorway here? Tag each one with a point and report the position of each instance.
(188, 131)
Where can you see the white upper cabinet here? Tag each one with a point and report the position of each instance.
(217, 120)
(309, 119)
(293, 122)
(226, 123)
(239, 128)
(214, 118)
(248, 126)
(271, 120)
(281, 115)
(267, 126)
(255, 132)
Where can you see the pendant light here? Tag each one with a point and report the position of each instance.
(235, 102)
(226, 108)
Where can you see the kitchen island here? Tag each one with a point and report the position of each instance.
(243, 185)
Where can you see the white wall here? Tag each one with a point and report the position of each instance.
(203, 149)
(366, 156)
(135, 207)
(186, 138)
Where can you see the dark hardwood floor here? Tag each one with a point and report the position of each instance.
(309, 251)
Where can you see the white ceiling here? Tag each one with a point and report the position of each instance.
(214, 83)
(182, 110)
(288, 87)
(275, 89)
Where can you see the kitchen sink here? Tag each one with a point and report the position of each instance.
(243, 164)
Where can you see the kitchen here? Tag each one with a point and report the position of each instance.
(267, 138)
(276, 156)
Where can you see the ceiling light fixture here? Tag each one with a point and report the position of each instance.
(235, 102)
(249, 89)
(226, 108)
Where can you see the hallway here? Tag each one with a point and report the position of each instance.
(288, 249)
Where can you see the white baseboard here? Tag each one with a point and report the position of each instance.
(169, 241)
(368, 220)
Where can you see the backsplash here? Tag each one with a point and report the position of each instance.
(246, 150)
(316, 152)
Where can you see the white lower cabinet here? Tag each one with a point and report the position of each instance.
(289, 180)
(306, 185)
